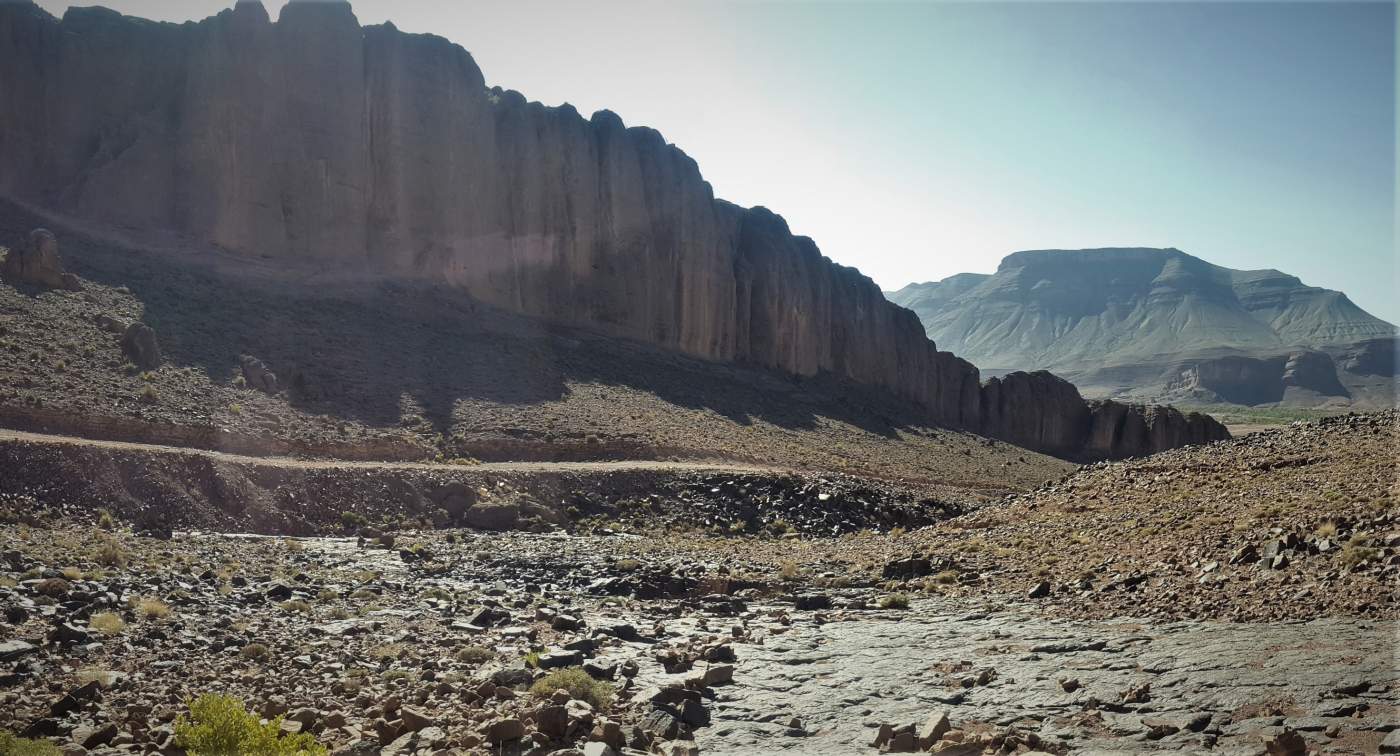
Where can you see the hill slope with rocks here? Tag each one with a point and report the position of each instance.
(319, 149)
(1161, 325)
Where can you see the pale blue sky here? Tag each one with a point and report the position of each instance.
(915, 140)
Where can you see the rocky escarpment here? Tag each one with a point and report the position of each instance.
(320, 145)
(1161, 324)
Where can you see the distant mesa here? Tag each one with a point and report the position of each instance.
(1160, 325)
(331, 149)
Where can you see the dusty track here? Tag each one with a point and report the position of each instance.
(322, 464)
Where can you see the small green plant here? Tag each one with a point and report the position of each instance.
(235, 408)
(579, 683)
(532, 659)
(895, 601)
(13, 745)
(218, 724)
(353, 520)
(107, 623)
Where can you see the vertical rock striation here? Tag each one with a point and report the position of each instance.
(313, 141)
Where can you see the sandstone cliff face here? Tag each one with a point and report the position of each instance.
(318, 143)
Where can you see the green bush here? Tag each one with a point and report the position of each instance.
(13, 745)
(579, 684)
(218, 724)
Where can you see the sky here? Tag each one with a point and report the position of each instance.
(915, 140)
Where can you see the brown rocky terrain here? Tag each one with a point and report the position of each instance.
(201, 138)
(416, 639)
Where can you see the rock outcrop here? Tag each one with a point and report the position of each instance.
(36, 263)
(316, 143)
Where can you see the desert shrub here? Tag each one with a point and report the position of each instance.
(218, 724)
(296, 605)
(152, 608)
(895, 601)
(254, 652)
(105, 520)
(72, 573)
(628, 565)
(353, 520)
(107, 623)
(13, 745)
(788, 571)
(1327, 529)
(475, 655)
(149, 395)
(579, 684)
(53, 587)
(946, 577)
(1354, 554)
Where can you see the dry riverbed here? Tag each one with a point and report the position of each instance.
(438, 643)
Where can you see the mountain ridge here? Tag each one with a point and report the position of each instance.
(1107, 318)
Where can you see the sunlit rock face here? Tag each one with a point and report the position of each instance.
(312, 142)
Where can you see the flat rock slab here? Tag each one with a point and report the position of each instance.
(1227, 683)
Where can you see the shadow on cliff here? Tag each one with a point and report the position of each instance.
(394, 355)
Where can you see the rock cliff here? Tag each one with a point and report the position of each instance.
(316, 143)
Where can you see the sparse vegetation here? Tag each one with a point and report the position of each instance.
(475, 655)
(296, 605)
(105, 520)
(894, 601)
(107, 623)
(152, 608)
(254, 652)
(218, 724)
(579, 684)
(788, 571)
(13, 745)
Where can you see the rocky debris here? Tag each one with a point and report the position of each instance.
(1232, 530)
(36, 263)
(140, 346)
(257, 376)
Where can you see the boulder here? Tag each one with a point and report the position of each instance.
(140, 346)
(36, 263)
(257, 376)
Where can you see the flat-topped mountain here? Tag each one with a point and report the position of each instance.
(318, 149)
(1160, 324)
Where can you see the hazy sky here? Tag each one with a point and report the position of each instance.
(915, 140)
